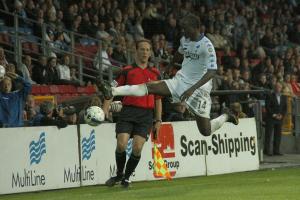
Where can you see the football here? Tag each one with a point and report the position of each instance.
(94, 115)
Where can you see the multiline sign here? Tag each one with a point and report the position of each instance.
(43, 158)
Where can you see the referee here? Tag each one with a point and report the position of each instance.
(137, 115)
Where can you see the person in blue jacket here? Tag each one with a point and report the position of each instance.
(12, 102)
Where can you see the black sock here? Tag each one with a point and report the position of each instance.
(120, 160)
(131, 165)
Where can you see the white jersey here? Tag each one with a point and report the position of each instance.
(199, 56)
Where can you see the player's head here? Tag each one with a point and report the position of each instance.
(143, 50)
(191, 26)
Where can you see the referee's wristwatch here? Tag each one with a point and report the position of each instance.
(158, 120)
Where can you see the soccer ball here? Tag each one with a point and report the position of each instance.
(94, 115)
(2, 71)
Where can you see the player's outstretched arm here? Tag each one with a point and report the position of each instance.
(209, 74)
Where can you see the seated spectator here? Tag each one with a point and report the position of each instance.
(63, 70)
(51, 72)
(39, 70)
(237, 110)
(49, 116)
(30, 108)
(26, 69)
(60, 44)
(12, 102)
(12, 68)
(173, 111)
(138, 31)
(119, 52)
(102, 34)
(105, 62)
(3, 60)
(73, 74)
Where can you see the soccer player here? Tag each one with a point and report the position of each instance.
(137, 116)
(191, 84)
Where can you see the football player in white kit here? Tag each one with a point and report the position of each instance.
(192, 83)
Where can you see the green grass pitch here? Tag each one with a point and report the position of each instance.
(281, 184)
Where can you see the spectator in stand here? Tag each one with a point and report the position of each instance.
(105, 62)
(60, 44)
(236, 63)
(295, 35)
(246, 77)
(276, 106)
(12, 102)
(51, 72)
(138, 31)
(20, 11)
(39, 70)
(3, 60)
(171, 30)
(119, 52)
(237, 109)
(76, 23)
(49, 116)
(227, 59)
(102, 34)
(30, 108)
(85, 25)
(12, 68)
(172, 111)
(63, 70)
(26, 69)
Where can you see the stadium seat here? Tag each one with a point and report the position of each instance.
(35, 90)
(54, 89)
(45, 90)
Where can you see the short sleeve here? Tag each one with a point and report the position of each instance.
(211, 58)
(180, 48)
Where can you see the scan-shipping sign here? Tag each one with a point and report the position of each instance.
(233, 148)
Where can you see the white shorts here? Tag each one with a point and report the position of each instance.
(199, 102)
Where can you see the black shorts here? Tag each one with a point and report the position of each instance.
(135, 121)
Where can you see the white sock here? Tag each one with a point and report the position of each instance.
(130, 90)
(218, 122)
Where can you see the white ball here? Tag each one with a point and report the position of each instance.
(2, 71)
(94, 115)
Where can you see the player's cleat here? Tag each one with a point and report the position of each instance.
(113, 180)
(106, 89)
(125, 183)
(232, 118)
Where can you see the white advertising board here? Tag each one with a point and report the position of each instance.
(37, 158)
(43, 158)
(233, 148)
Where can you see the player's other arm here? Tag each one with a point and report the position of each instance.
(207, 76)
(210, 60)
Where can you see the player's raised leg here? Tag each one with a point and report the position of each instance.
(206, 126)
(155, 87)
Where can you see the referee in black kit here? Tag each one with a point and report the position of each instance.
(137, 115)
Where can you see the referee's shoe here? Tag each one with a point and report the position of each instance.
(114, 180)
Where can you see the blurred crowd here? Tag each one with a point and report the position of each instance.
(257, 42)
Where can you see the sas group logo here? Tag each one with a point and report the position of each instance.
(88, 146)
(166, 146)
(37, 149)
